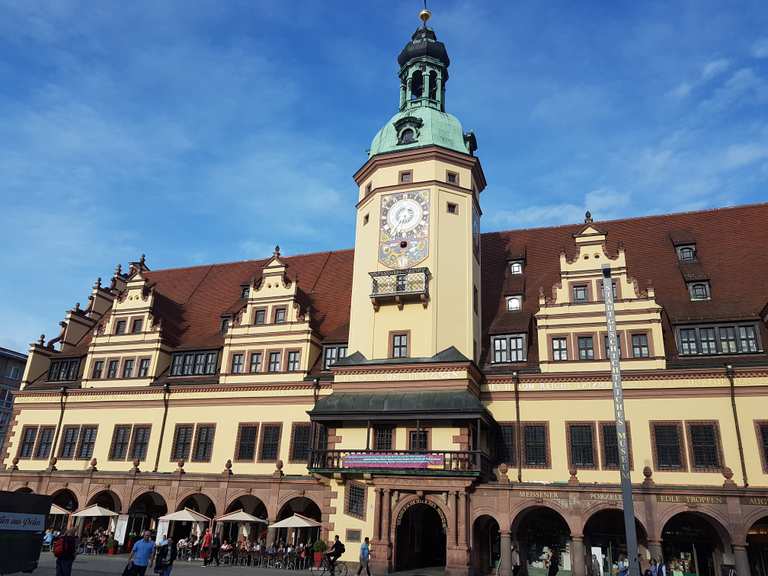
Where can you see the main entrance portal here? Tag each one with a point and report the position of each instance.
(420, 538)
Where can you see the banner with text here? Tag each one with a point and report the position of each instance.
(393, 460)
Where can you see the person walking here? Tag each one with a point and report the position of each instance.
(142, 553)
(365, 556)
(554, 563)
(205, 546)
(215, 546)
(65, 550)
(165, 556)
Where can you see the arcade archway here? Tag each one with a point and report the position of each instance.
(485, 544)
(199, 503)
(757, 547)
(144, 512)
(543, 537)
(106, 499)
(694, 543)
(305, 507)
(232, 531)
(67, 500)
(420, 539)
(605, 542)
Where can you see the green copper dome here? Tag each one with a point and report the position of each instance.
(422, 119)
(429, 127)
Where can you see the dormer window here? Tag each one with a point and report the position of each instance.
(686, 253)
(699, 290)
(279, 315)
(580, 293)
(514, 303)
(516, 267)
(332, 354)
(244, 291)
(224, 325)
(260, 316)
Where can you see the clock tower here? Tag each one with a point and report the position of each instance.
(416, 282)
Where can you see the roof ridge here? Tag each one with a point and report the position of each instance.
(252, 261)
(635, 218)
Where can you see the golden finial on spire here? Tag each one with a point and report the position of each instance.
(425, 14)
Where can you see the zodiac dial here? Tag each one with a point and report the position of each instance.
(404, 229)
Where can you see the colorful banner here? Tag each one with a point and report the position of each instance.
(428, 461)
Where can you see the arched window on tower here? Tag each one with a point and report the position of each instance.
(417, 85)
(433, 85)
(407, 136)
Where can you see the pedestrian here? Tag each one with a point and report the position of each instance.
(65, 550)
(365, 555)
(142, 553)
(165, 556)
(215, 545)
(554, 562)
(205, 546)
(514, 557)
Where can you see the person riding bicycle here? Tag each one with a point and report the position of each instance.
(334, 553)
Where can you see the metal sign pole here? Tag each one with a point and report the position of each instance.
(621, 424)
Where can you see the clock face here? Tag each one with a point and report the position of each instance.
(404, 229)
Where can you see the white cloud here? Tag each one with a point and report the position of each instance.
(738, 156)
(760, 48)
(714, 68)
(681, 90)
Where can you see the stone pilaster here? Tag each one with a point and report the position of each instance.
(505, 545)
(742, 560)
(578, 567)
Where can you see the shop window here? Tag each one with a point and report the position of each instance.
(355, 500)
(270, 443)
(668, 444)
(246, 442)
(300, 442)
(203, 443)
(182, 441)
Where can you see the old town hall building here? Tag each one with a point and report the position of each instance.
(444, 392)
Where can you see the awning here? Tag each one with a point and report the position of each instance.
(94, 511)
(240, 516)
(58, 511)
(296, 521)
(436, 404)
(185, 515)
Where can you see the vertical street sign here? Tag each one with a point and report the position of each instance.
(621, 424)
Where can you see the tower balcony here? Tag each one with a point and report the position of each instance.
(400, 286)
(399, 462)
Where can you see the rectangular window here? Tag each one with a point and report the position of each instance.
(506, 450)
(418, 440)
(244, 292)
(300, 443)
(406, 177)
(28, 436)
(500, 352)
(382, 438)
(509, 348)
(44, 442)
(143, 367)
(535, 445)
(688, 341)
(280, 315)
(270, 443)
(332, 354)
(582, 445)
(128, 368)
(137, 326)
(98, 368)
(182, 441)
(246, 442)
(224, 325)
(120, 439)
(606, 340)
(707, 341)
(748, 339)
(452, 208)
(610, 446)
(176, 364)
(140, 442)
(199, 363)
(640, 346)
(260, 317)
(586, 348)
(68, 442)
(559, 349)
(669, 446)
(87, 442)
(203, 443)
(613, 289)
(64, 370)
(237, 363)
(728, 340)
(120, 327)
(452, 177)
(705, 446)
(255, 362)
(210, 363)
(580, 293)
(293, 361)
(356, 499)
(189, 364)
(762, 438)
(274, 362)
(400, 345)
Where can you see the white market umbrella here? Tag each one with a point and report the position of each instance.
(185, 515)
(240, 516)
(296, 521)
(94, 511)
(58, 511)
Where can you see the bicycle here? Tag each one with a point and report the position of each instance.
(341, 568)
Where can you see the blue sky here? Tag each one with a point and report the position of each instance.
(200, 132)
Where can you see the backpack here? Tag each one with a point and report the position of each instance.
(342, 549)
(62, 547)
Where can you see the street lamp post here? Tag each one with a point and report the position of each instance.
(621, 424)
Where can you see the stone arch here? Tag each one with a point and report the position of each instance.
(106, 499)
(598, 507)
(708, 513)
(145, 510)
(485, 543)
(66, 498)
(295, 504)
(749, 520)
(198, 502)
(542, 531)
(249, 503)
(486, 511)
(406, 554)
(527, 505)
(24, 490)
(696, 536)
(76, 489)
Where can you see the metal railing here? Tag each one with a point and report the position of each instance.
(396, 284)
